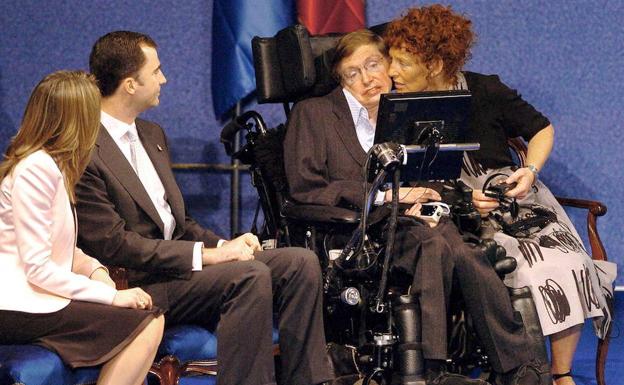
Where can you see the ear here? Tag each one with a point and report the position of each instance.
(435, 68)
(129, 85)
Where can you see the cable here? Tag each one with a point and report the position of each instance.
(380, 298)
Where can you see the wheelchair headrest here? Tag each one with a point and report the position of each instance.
(293, 65)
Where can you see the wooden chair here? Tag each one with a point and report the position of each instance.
(186, 350)
(594, 209)
(35, 365)
(169, 369)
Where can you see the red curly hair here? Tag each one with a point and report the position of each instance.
(433, 32)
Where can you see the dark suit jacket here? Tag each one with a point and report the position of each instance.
(322, 155)
(119, 225)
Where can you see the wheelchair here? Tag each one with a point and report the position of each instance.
(365, 317)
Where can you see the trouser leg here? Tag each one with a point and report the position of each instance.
(498, 327)
(423, 251)
(235, 299)
(298, 298)
(436, 256)
(522, 302)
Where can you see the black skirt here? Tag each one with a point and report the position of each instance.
(82, 333)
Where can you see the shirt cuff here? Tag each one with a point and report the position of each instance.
(380, 198)
(197, 256)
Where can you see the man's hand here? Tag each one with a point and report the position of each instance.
(411, 195)
(414, 211)
(101, 275)
(482, 203)
(238, 249)
(525, 179)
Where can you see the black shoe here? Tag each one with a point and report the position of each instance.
(446, 378)
(525, 374)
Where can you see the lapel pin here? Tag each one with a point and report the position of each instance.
(158, 147)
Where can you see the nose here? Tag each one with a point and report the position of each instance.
(366, 78)
(163, 79)
(392, 72)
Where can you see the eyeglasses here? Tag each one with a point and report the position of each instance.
(355, 74)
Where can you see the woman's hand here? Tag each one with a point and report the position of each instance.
(525, 179)
(411, 195)
(482, 203)
(134, 298)
(101, 275)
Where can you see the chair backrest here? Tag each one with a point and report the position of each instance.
(292, 65)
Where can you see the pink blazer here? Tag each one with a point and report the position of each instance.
(41, 269)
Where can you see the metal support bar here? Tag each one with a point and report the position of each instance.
(235, 182)
(209, 167)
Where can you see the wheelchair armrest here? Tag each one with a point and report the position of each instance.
(320, 214)
(594, 209)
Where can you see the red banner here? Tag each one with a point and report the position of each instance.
(325, 16)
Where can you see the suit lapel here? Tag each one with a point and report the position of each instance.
(156, 150)
(112, 156)
(345, 127)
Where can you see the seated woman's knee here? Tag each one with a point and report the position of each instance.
(151, 335)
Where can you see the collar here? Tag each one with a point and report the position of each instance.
(461, 84)
(115, 127)
(358, 111)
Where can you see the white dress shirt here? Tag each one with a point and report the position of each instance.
(148, 176)
(364, 129)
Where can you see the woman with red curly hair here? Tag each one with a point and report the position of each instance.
(429, 47)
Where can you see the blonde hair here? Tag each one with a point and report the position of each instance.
(62, 117)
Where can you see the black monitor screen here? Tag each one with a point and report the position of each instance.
(411, 118)
(424, 118)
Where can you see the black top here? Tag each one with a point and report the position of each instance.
(499, 113)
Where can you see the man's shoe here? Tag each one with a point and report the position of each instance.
(446, 378)
(525, 374)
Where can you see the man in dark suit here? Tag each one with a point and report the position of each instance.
(324, 151)
(131, 214)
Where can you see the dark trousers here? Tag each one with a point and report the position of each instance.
(237, 299)
(438, 256)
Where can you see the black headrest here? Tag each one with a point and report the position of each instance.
(293, 65)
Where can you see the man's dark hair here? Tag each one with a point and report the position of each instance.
(116, 56)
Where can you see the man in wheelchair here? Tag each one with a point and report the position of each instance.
(325, 149)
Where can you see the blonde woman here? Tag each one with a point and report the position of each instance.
(51, 293)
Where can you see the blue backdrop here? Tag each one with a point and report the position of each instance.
(565, 57)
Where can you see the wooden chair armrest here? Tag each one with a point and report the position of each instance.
(519, 147)
(594, 209)
(119, 275)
